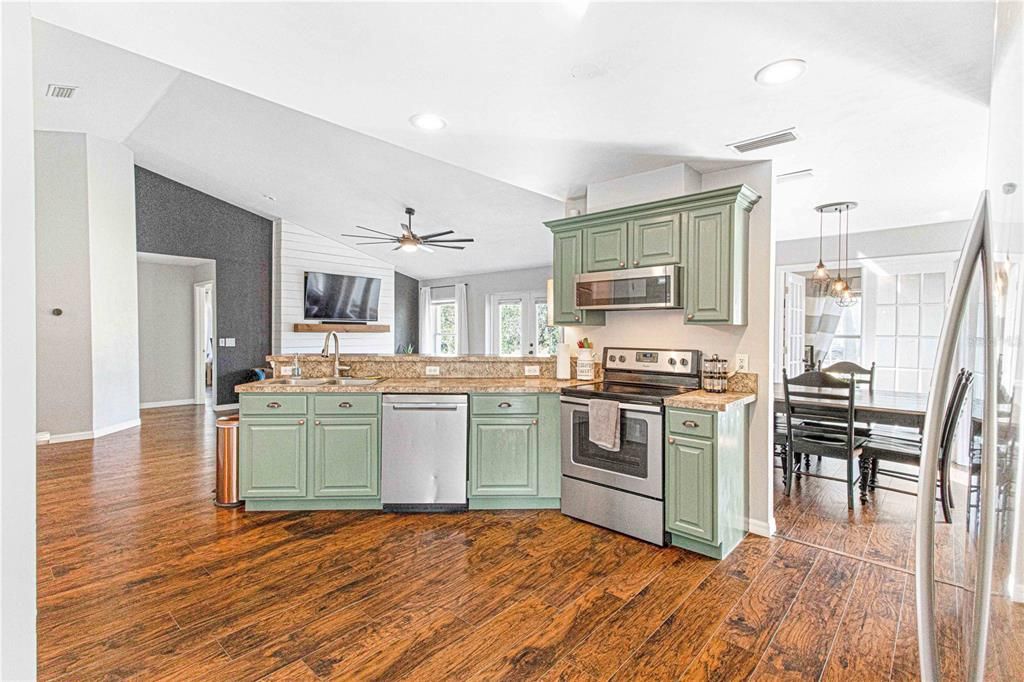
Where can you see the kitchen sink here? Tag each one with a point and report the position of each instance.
(299, 382)
(350, 381)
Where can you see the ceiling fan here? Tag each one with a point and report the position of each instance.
(409, 240)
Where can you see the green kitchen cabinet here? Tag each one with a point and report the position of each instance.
(657, 240)
(314, 458)
(606, 247)
(346, 460)
(716, 267)
(567, 264)
(705, 233)
(514, 451)
(272, 457)
(705, 470)
(503, 456)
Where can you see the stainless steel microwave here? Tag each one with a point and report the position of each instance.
(632, 289)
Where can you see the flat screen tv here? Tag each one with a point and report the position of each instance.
(341, 298)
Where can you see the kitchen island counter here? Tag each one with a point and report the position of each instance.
(422, 385)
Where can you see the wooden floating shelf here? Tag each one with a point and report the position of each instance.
(324, 327)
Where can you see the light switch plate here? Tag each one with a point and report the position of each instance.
(230, 342)
(742, 362)
(531, 370)
(433, 371)
(222, 342)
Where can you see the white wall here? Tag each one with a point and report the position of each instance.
(298, 250)
(480, 287)
(166, 334)
(661, 183)
(113, 285)
(912, 240)
(666, 329)
(17, 351)
(87, 379)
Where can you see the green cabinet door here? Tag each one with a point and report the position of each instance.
(709, 264)
(345, 460)
(567, 264)
(503, 457)
(606, 247)
(690, 488)
(272, 457)
(656, 241)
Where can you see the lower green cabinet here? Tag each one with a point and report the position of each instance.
(273, 457)
(315, 460)
(514, 460)
(345, 457)
(705, 470)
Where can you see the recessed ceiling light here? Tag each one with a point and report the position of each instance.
(781, 72)
(427, 121)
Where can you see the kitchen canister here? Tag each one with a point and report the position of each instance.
(563, 362)
(715, 374)
(585, 364)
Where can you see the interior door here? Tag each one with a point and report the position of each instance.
(793, 315)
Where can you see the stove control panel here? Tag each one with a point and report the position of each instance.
(652, 360)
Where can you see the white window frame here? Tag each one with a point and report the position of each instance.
(529, 300)
(435, 306)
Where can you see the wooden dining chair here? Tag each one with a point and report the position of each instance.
(860, 374)
(907, 452)
(820, 422)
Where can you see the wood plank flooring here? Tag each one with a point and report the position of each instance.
(141, 577)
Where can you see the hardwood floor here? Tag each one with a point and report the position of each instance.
(141, 577)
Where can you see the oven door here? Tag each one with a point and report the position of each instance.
(633, 289)
(636, 467)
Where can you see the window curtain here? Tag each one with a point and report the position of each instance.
(426, 323)
(822, 319)
(462, 319)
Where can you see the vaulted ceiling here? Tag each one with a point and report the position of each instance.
(540, 100)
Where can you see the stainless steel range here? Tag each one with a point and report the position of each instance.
(624, 489)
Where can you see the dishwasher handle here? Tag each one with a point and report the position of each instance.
(434, 407)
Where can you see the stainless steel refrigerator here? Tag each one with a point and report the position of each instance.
(969, 575)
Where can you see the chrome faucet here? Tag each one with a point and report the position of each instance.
(296, 368)
(337, 349)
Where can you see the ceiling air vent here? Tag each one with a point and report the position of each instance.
(795, 175)
(61, 91)
(762, 141)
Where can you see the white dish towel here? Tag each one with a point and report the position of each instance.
(604, 424)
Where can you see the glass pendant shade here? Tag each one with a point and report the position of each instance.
(846, 299)
(820, 273)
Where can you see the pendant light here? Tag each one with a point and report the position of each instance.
(837, 285)
(847, 298)
(820, 276)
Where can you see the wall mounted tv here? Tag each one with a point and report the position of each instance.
(341, 298)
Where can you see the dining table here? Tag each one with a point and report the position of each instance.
(892, 408)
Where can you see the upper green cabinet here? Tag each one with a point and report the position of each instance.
(705, 233)
(606, 247)
(657, 240)
(568, 263)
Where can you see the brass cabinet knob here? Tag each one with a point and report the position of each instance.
(317, 422)
(671, 441)
(690, 316)
(302, 421)
(273, 405)
(622, 264)
(636, 263)
(576, 317)
(533, 421)
(690, 424)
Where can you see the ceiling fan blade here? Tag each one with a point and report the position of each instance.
(424, 247)
(447, 241)
(437, 234)
(370, 229)
(397, 248)
(445, 246)
(377, 243)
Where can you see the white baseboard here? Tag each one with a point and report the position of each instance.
(43, 437)
(88, 435)
(761, 528)
(225, 408)
(167, 403)
(1018, 593)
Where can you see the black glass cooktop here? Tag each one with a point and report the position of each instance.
(647, 393)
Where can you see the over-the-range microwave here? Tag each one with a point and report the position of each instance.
(631, 289)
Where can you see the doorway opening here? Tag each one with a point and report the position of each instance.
(204, 346)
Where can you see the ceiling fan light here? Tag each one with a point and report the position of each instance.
(409, 246)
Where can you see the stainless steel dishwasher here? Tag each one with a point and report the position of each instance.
(423, 452)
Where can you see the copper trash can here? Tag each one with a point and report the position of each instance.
(227, 462)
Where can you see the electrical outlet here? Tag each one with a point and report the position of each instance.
(433, 371)
(742, 362)
(229, 342)
(222, 342)
(531, 370)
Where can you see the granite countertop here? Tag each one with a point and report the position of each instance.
(424, 385)
(712, 402)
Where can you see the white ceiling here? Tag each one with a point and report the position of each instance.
(892, 111)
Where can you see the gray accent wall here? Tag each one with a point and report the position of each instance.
(407, 312)
(174, 219)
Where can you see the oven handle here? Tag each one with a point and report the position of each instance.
(625, 407)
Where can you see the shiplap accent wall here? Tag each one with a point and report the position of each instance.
(298, 250)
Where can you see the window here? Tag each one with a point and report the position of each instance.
(518, 325)
(446, 339)
(908, 316)
(846, 344)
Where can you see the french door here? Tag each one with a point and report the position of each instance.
(517, 324)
